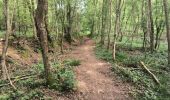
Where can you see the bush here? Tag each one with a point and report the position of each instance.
(103, 53)
(32, 83)
(21, 95)
(127, 66)
(63, 80)
(63, 77)
(38, 68)
(31, 95)
(4, 97)
(120, 56)
(70, 62)
(132, 61)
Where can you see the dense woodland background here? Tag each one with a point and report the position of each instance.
(133, 35)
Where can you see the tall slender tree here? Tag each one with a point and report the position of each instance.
(68, 26)
(117, 27)
(165, 3)
(103, 28)
(40, 20)
(8, 29)
(110, 24)
(8, 21)
(150, 25)
(31, 8)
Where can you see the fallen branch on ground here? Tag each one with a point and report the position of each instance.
(8, 76)
(18, 79)
(150, 73)
(142, 68)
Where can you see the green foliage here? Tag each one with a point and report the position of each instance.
(120, 56)
(71, 62)
(32, 83)
(156, 61)
(127, 66)
(103, 53)
(85, 33)
(132, 61)
(137, 77)
(63, 80)
(63, 77)
(4, 97)
(24, 95)
(39, 67)
(31, 95)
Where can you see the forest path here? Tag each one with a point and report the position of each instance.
(95, 81)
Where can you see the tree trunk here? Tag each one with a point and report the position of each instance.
(42, 8)
(32, 12)
(104, 10)
(110, 27)
(92, 29)
(5, 46)
(46, 26)
(150, 26)
(68, 26)
(93, 24)
(117, 26)
(167, 27)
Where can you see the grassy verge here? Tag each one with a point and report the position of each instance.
(127, 66)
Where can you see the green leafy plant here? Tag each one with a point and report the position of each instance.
(103, 54)
(71, 62)
(63, 77)
(127, 67)
(63, 80)
(31, 95)
(38, 67)
(4, 97)
(120, 56)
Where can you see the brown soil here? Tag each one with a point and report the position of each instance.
(20, 60)
(95, 81)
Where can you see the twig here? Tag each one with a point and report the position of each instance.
(149, 72)
(10, 82)
(149, 69)
(18, 77)
(16, 80)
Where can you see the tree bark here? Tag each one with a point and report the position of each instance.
(32, 12)
(68, 27)
(117, 27)
(5, 46)
(150, 25)
(165, 3)
(42, 8)
(104, 10)
(110, 25)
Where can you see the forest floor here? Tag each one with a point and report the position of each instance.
(97, 76)
(95, 79)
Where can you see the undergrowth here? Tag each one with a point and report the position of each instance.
(63, 77)
(128, 67)
(63, 80)
(103, 54)
(21, 95)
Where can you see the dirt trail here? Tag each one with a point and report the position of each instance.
(95, 81)
(94, 76)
